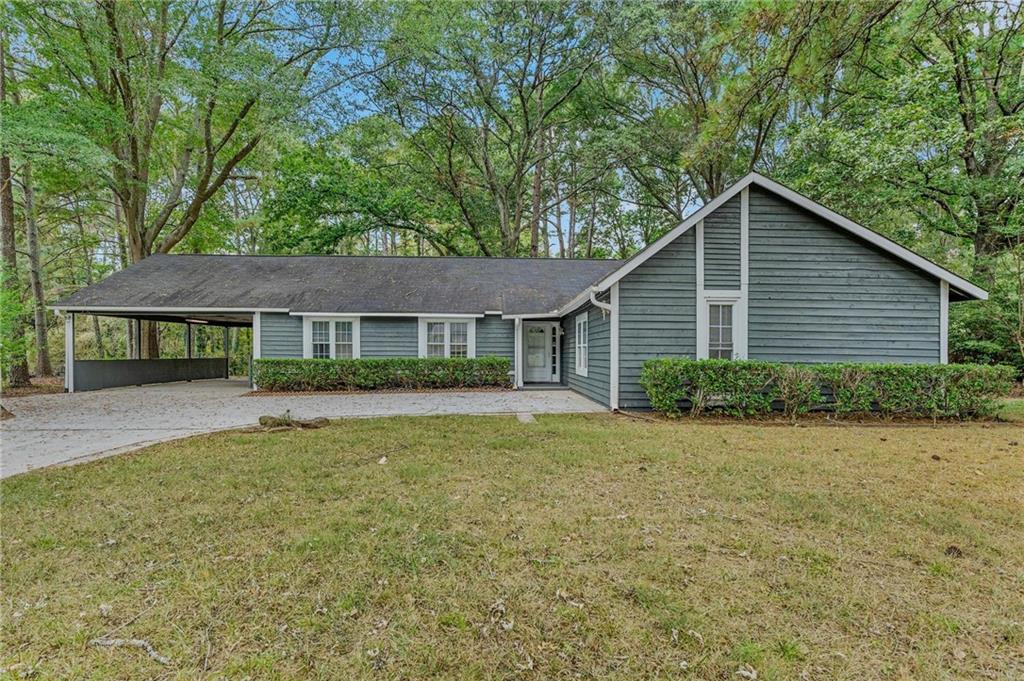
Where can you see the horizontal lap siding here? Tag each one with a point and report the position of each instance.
(820, 295)
(657, 314)
(495, 337)
(388, 337)
(596, 384)
(280, 336)
(722, 247)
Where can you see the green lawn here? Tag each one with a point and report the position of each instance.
(579, 546)
(1013, 410)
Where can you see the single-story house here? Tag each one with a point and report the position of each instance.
(760, 272)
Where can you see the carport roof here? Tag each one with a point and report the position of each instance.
(343, 284)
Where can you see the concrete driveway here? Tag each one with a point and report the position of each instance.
(59, 429)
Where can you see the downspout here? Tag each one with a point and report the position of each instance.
(605, 307)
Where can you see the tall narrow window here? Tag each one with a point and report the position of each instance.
(582, 343)
(435, 339)
(458, 345)
(343, 340)
(321, 340)
(720, 344)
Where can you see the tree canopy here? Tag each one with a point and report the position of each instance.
(493, 127)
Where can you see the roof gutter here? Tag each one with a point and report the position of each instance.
(607, 307)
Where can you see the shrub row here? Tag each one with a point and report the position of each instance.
(750, 388)
(380, 374)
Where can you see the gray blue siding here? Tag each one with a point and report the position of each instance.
(280, 336)
(657, 314)
(818, 294)
(596, 384)
(495, 336)
(388, 337)
(722, 247)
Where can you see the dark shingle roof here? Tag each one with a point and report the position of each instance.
(346, 283)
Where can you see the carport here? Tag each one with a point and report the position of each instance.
(95, 374)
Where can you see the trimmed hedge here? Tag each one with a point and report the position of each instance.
(380, 374)
(750, 388)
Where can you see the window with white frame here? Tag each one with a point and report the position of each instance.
(343, 340)
(720, 326)
(436, 339)
(447, 338)
(331, 338)
(582, 343)
(458, 339)
(321, 340)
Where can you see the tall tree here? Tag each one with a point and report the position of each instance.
(185, 92)
(922, 123)
(475, 85)
(16, 368)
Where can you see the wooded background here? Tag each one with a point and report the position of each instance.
(544, 129)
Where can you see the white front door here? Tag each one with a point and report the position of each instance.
(542, 352)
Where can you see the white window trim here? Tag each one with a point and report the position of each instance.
(580, 368)
(736, 298)
(944, 322)
(307, 334)
(470, 340)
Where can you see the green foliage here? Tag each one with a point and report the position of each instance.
(746, 388)
(13, 345)
(741, 388)
(380, 374)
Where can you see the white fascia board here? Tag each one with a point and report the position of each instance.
(539, 315)
(175, 310)
(670, 236)
(849, 225)
(442, 315)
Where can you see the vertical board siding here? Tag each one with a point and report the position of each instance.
(596, 384)
(280, 336)
(657, 314)
(820, 295)
(388, 337)
(722, 247)
(495, 336)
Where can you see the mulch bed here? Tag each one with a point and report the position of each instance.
(286, 393)
(812, 419)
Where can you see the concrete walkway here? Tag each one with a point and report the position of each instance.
(58, 429)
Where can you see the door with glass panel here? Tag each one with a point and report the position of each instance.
(542, 352)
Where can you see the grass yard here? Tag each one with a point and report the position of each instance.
(579, 546)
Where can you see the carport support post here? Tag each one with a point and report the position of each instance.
(227, 359)
(188, 347)
(138, 339)
(69, 352)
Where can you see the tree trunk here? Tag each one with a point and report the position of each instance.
(590, 227)
(988, 246)
(122, 251)
(535, 214)
(558, 221)
(17, 369)
(43, 365)
(150, 340)
(87, 265)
